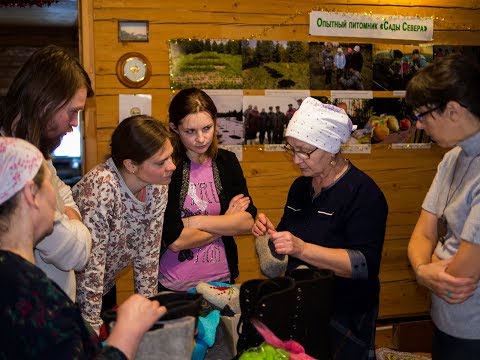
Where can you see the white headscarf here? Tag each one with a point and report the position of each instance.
(321, 125)
(19, 163)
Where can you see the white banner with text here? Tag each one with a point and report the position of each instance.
(370, 26)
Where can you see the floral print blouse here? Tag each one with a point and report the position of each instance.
(124, 230)
(39, 321)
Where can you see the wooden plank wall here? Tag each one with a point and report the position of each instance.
(403, 175)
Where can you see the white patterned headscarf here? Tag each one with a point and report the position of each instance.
(19, 163)
(324, 126)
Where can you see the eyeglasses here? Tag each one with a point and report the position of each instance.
(420, 116)
(301, 154)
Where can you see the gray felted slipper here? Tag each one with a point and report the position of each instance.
(174, 341)
(272, 264)
(220, 295)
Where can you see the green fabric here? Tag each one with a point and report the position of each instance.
(264, 352)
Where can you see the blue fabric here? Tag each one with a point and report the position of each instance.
(213, 283)
(206, 331)
(206, 328)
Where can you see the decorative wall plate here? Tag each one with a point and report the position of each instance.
(134, 70)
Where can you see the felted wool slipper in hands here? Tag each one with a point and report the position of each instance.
(220, 295)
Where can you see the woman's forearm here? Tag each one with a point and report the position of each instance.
(190, 238)
(420, 251)
(465, 263)
(423, 240)
(228, 225)
(336, 260)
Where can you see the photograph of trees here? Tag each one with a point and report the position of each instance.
(275, 64)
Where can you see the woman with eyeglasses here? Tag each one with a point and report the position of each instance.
(335, 219)
(122, 202)
(208, 200)
(444, 248)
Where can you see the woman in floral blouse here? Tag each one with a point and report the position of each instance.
(37, 319)
(122, 202)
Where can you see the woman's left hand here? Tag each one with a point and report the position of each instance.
(286, 243)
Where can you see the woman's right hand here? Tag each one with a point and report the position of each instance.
(139, 313)
(451, 289)
(262, 225)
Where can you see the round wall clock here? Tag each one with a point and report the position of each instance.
(134, 70)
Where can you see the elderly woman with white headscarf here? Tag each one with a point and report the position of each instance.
(37, 319)
(334, 218)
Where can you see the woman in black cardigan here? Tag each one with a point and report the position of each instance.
(208, 200)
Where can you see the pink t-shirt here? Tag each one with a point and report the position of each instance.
(204, 263)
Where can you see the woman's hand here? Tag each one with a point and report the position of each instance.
(451, 289)
(134, 317)
(139, 313)
(286, 243)
(262, 225)
(238, 203)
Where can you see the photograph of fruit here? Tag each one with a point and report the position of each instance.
(359, 111)
(392, 122)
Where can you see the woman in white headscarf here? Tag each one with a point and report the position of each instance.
(335, 219)
(38, 320)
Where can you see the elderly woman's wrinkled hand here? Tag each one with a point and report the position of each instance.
(286, 243)
(451, 289)
(262, 225)
(138, 314)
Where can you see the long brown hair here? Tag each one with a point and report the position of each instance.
(137, 138)
(45, 83)
(454, 77)
(186, 102)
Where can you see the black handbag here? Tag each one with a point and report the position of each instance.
(296, 307)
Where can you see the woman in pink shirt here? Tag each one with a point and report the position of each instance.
(208, 200)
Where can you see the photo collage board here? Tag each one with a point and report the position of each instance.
(288, 70)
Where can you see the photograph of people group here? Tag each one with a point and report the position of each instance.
(340, 66)
(266, 118)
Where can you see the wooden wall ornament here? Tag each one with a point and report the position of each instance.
(134, 70)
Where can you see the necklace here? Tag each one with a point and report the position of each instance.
(442, 223)
(341, 172)
(337, 176)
